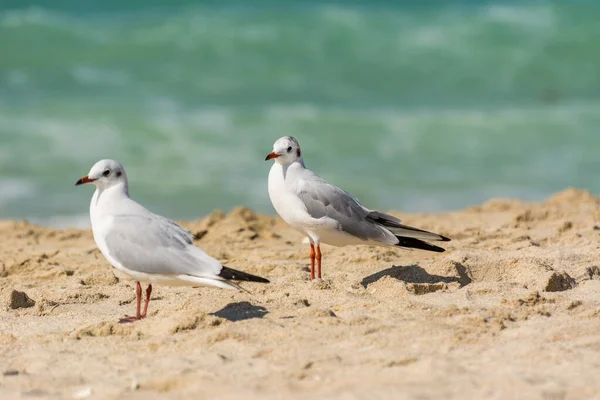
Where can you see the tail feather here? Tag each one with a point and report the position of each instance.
(235, 275)
(196, 281)
(412, 243)
(400, 230)
(407, 231)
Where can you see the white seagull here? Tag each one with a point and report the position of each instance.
(325, 213)
(146, 246)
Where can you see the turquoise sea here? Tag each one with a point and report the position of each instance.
(412, 106)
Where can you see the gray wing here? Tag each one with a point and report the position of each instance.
(155, 245)
(322, 199)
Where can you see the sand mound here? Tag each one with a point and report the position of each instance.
(512, 309)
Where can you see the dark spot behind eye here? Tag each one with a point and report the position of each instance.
(106, 172)
(289, 149)
(118, 173)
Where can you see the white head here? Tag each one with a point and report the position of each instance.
(105, 174)
(286, 150)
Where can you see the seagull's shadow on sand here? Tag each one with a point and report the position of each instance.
(240, 311)
(415, 274)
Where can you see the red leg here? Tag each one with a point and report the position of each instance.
(319, 261)
(138, 293)
(148, 293)
(312, 261)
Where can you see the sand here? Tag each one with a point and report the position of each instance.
(511, 310)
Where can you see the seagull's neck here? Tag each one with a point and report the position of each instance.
(119, 189)
(105, 196)
(299, 163)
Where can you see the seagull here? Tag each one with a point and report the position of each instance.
(327, 214)
(147, 247)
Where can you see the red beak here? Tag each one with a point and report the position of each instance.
(83, 180)
(271, 156)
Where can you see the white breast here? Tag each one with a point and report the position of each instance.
(100, 224)
(277, 191)
(101, 221)
(285, 201)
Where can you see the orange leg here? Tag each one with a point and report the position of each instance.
(138, 293)
(319, 261)
(148, 293)
(312, 261)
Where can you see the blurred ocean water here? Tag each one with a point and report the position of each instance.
(413, 106)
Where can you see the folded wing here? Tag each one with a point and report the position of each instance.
(325, 200)
(322, 199)
(155, 245)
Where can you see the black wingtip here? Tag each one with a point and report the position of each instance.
(388, 222)
(235, 275)
(413, 243)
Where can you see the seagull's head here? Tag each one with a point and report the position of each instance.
(286, 150)
(105, 174)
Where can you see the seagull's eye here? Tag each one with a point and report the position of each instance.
(106, 172)
(118, 174)
(289, 149)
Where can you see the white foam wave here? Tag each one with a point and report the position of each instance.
(525, 16)
(38, 16)
(91, 76)
(66, 137)
(14, 189)
(64, 221)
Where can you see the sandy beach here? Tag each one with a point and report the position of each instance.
(510, 310)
